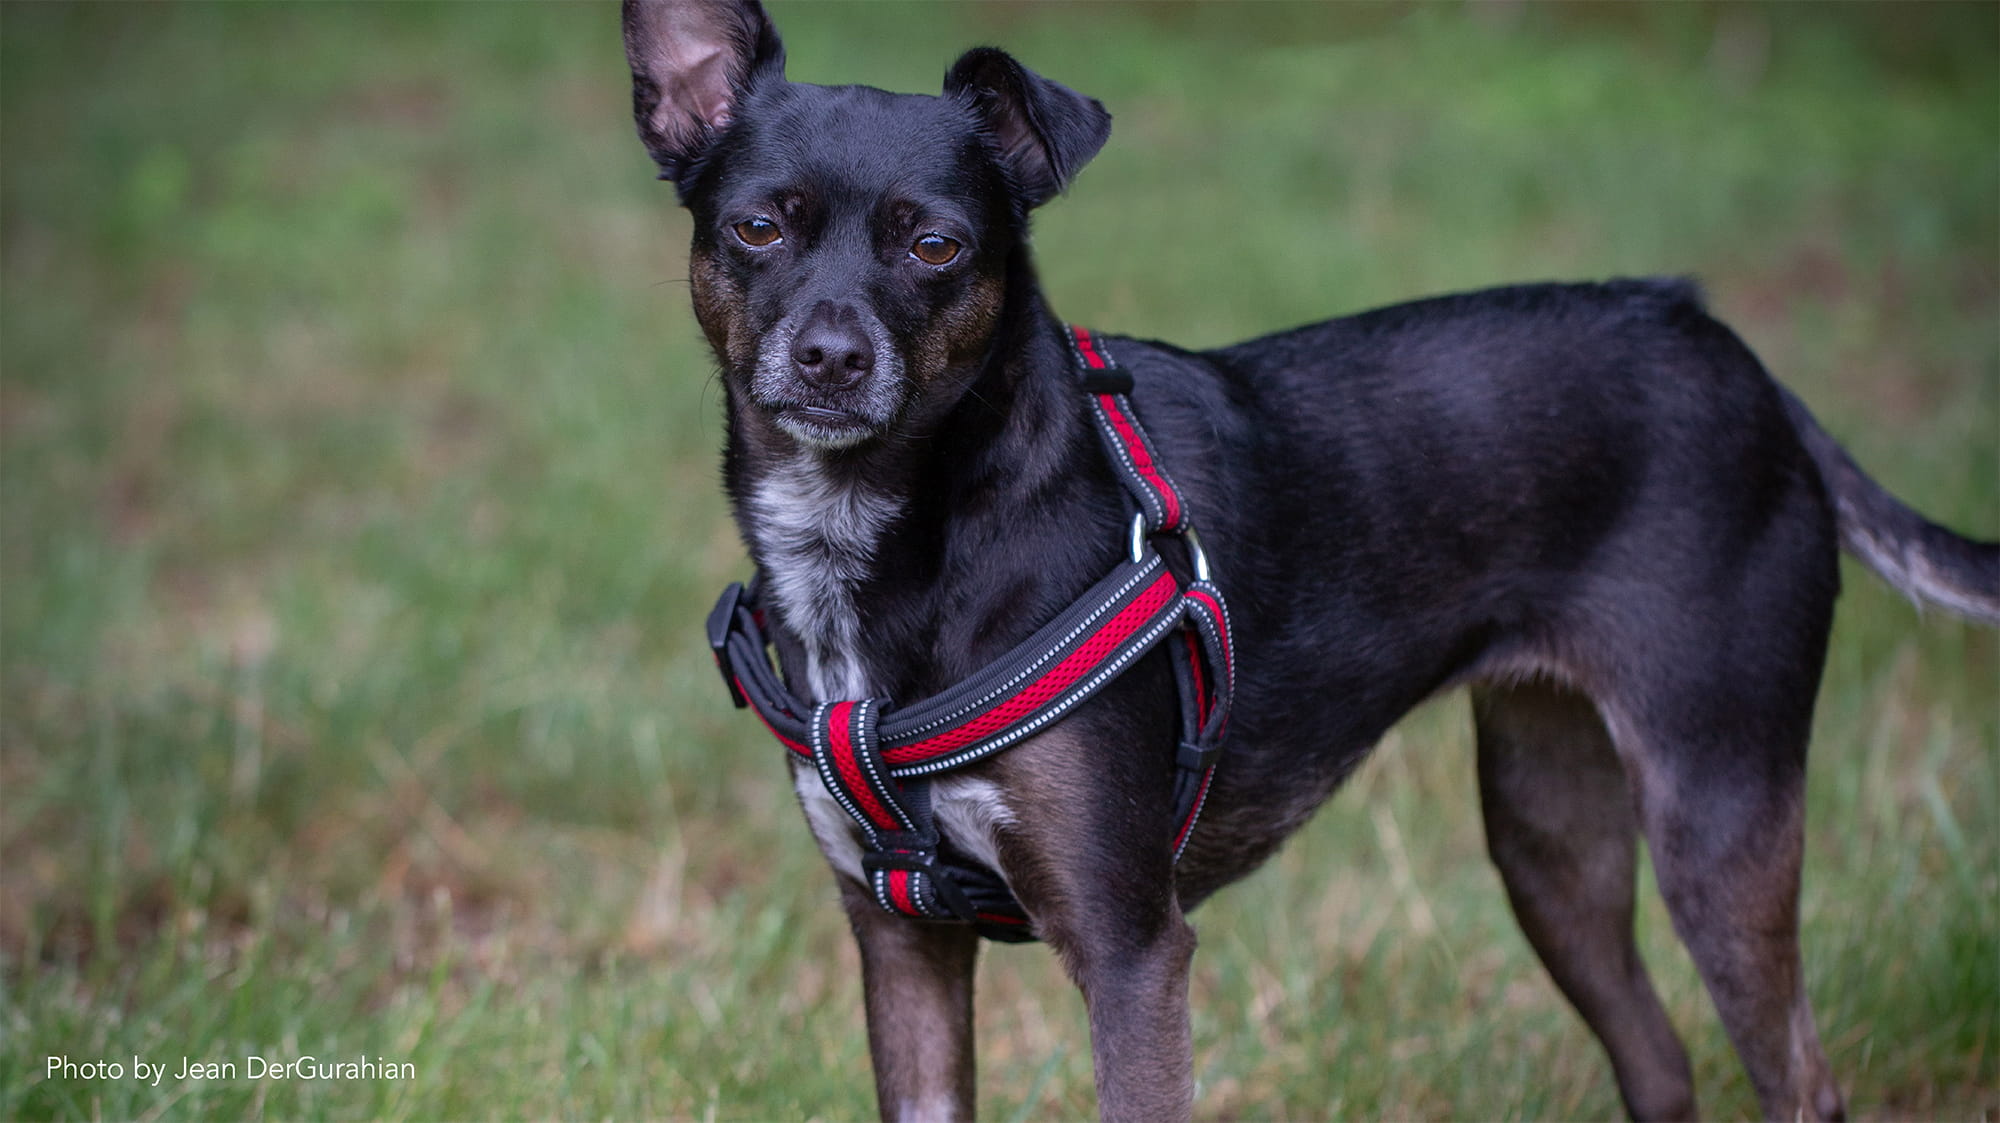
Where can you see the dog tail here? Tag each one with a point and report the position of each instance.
(1919, 558)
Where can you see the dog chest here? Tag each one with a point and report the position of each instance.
(969, 810)
(816, 538)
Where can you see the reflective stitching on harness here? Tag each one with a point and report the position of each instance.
(1133, 448)
(829, 775)
(881, 887)
(1061, 646)
(1132, 652)
(1094, 649)
(1211, 613)
(883, 789)
(1087, 351)
(822, 765)
(1216, 619)
(1119, 426)
(850, 759)
(1187, 828)
(1156, 512)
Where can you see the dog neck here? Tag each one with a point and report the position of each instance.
(815, 532)
(828, 528)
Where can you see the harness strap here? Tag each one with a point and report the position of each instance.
(1043, 677)
(1126, 442)
(1206, 700)
(876, 759)
(845, 749)
(904, 863)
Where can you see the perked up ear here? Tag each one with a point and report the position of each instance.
(1046, 131)
(691, 62)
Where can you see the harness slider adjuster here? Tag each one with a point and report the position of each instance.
(914, 861)
(720, 618)
(1105, 380)
(1198, 757)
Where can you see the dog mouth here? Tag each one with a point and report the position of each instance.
(822, 427)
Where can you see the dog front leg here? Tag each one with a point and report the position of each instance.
(1139, 1039)
(1096, 875)
(1121, 937)
(917, 979)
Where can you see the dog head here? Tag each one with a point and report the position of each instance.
(852, 247)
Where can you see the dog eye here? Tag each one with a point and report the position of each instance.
(934, 249)
(758, 231)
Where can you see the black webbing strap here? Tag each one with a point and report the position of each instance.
(1205, 701)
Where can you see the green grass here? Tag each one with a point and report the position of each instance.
(357, 466)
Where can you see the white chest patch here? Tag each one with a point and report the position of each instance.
(818, 539)
(970, 813)
(831, 827)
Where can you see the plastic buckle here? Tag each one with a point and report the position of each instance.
(924, 862)
(1197, 757)
(721, 619)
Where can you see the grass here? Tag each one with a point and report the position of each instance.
(359, 511)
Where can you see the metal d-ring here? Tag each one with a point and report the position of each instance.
(1195, 554)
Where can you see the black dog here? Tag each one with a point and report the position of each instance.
(1589, 502)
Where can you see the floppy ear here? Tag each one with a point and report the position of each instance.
(691, 62)
(1046, 131)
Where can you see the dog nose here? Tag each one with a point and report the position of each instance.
(832, 352)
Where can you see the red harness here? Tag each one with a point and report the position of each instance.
(876, 758)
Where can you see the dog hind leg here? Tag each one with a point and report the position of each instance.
(1723, 808)
(1561, 828)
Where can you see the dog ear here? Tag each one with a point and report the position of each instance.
(1046, 131)
(691, 61)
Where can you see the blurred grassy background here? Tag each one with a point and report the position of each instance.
(360, 510)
